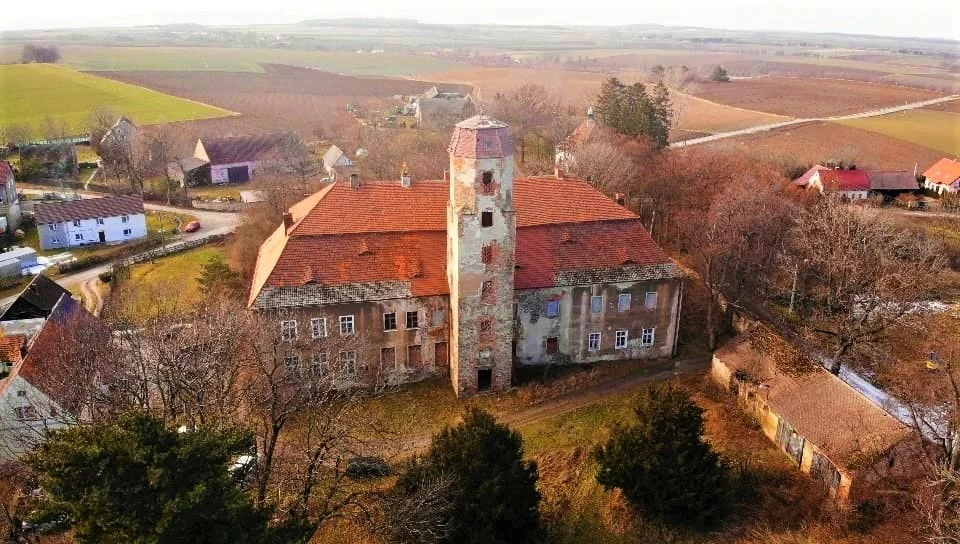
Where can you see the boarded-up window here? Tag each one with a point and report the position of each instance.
(414, 356)
(553, 345)
(388, 359)
(486, 254)
(822, 469)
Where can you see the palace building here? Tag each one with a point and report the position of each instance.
(467, 277)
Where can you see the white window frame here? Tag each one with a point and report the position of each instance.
(289, 330)
(78, 236)
(593, 308)
(318, 327)
(124, 218)
(99, 220)
(620, 341)
(547, 310)
(291, 371)
(77, 223)
(651, 333)
(319, 364)
(348, 325)
(128, 232)
(52, 226)
(646, 300)
(624, 301)
(591, 345)
(347, 357)
(385, 314)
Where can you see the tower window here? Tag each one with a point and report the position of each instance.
(486, 254)
(487, 178)
(486, 219)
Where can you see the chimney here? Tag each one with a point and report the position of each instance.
(560, 173)
(287, 221)
(620, 198)
(354, 180)
(405, 179)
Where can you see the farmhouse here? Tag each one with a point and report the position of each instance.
(121, 133)
(851, 184)
(235, 159)
(828, 429)
(34, 391)
(10, 213)
(943, 177)
(107, 220)
(468, 276)
(336, 163)
(436, 109)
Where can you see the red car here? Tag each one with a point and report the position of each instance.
(192, 226)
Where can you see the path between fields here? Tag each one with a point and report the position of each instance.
(90, 291)
(583, 397)
(773, 126)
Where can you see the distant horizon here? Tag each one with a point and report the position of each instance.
(922, 19)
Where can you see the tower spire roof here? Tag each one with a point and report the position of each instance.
(481, 137)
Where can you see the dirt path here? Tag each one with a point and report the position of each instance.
(772, 126)
(90, 292)
(583, 397)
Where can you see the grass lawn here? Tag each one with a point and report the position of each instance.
(175, 274)
(938, 130)
(33, 92)
(237, 59)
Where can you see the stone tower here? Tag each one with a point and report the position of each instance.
(481, 235)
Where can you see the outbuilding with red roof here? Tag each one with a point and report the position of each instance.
(943, 176)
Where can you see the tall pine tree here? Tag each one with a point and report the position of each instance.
(631, 111)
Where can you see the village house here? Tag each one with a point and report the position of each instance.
(828, 429)
(943, 176)
(588, 129)
(466, 277)
(121, 133)
(10, 213)
(107, 220)
(235, 159)
(337, 164)
(850, 184)
(34, 392)
(892, 183)
(435, 109)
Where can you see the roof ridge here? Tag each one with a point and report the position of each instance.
(320, 195)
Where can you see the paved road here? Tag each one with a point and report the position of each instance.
(212, 223)
(773, 126)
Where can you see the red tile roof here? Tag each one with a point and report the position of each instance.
(11, 348)
(241, 148)
(945, 171)
(481, 137)
(844, 180)
(384, 232)
(5, 171)
(88, 208)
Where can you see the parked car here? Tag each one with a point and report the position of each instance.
(192, 226)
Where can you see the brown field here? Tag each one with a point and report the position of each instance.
(698, 115)
(797, 97)
(308, 101)
(815, 142)
(953, 106)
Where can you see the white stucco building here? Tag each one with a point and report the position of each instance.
(107, 220)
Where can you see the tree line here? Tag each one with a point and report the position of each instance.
(40, 54)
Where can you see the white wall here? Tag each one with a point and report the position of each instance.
(114, 229)
(17, 435)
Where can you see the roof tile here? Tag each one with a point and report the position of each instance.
(88, 208)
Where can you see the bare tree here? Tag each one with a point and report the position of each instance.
(528, 109)
(98, 124)
(604, 165)
(167, 153)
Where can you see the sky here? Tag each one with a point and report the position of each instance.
(922, 18)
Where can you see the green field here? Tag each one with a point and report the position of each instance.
(30, 93)
(938, 130)
(236, 59)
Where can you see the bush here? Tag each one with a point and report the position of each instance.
(360, 468)
(662, 464)
(720, 74)
(495, 498)
(106, 277)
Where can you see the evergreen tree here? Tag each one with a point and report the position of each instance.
(662, 114)
(136, 481)
(495, 497)
(610, 103)
(216, 278)
(631, 111)
(662, 464)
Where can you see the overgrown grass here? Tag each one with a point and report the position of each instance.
(175, 275)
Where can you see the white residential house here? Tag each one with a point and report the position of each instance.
(107, 220)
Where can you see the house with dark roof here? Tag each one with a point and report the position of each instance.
(828, 429)
(35, 379)
(466, 278)
(36, 301)
(850, 184)
(943, 176)
(891, 183)
(337, 164)
(86, 221)
(235, 159)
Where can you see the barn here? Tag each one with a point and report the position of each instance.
(236, 158)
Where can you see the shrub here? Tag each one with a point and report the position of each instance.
(720, 74)
(662, 464)
(368, 467)
(105, 277)
(495, 498)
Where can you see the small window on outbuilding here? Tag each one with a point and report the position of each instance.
(486, 219)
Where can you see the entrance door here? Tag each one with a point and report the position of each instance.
(484, 379)
(103, 237)
(440, 355)
(238, 174)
